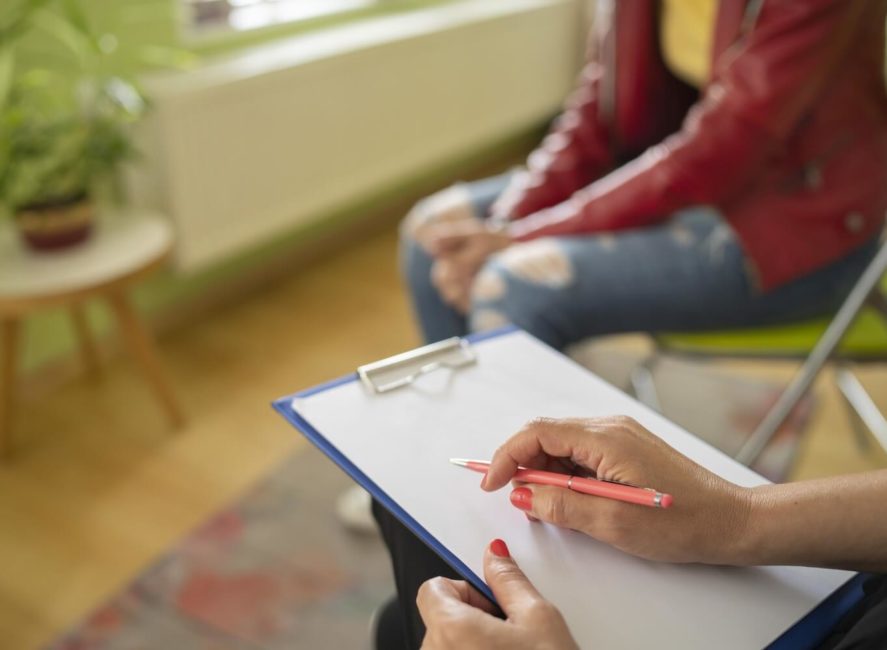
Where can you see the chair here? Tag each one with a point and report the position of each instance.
(857, 333)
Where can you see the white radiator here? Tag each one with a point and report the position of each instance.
(243, 150)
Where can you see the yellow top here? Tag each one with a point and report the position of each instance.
(687, 32)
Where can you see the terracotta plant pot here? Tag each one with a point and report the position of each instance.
(56, 225)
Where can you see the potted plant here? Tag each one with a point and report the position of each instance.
(64, 131)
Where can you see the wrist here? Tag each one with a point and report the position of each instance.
(519, 231)
(727, 537)
(750, 537)
(499, 219)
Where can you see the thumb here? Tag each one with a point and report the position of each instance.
(513, 590)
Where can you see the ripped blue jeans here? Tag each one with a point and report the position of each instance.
(686, 274)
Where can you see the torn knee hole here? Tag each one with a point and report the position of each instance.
(488, 319)
(540, 262)
(489, 285)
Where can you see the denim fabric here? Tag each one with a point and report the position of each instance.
(686, 274)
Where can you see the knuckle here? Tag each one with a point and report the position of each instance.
(625, 421)
(546, 610)
(510, 574)
(540, 422)
(542, 610)
(423, 592)
(428, 588)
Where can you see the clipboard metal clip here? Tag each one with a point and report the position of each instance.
(403, 369)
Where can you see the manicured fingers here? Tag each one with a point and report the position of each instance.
(554, 505)
(560, 439)
(522, 499)
(512, 589)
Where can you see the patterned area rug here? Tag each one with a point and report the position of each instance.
(275, 570)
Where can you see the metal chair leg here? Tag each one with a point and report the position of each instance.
(862, 403)
(860, 431)
(820, 354)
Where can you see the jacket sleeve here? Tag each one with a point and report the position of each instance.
(575, 152)
(762, 88)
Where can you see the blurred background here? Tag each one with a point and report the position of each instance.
(201, 201)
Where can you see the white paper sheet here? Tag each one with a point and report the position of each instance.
(403, 442)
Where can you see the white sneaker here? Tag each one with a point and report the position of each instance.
(353, 508)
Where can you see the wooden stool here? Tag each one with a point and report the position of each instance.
(124, 249)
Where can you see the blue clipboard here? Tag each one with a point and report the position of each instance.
(808, 632)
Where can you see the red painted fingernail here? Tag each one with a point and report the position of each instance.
(522, 498)
(499, 549)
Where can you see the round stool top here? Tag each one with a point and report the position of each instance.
(121, 245)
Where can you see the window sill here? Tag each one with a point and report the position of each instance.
(222, 38)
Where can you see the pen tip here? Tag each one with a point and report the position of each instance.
(461, 462)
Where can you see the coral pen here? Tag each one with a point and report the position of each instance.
(592, 486)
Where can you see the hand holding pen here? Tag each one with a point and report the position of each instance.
(704, 520)
(585, 485)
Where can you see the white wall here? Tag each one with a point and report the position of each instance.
(246, 149)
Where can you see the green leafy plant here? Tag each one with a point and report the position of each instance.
(51, 156)
(65, 111)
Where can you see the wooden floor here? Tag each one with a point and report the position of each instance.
(100, 486)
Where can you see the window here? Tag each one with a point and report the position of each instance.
(252, 14)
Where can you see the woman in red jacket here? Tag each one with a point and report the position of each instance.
(720, 165)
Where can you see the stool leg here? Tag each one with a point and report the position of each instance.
(141, 347)
(11, 331)
(88, 351)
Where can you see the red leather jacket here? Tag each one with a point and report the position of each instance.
(788, 139)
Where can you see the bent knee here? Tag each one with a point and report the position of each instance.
(541, 262)
(450, 204)
(489, 285)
